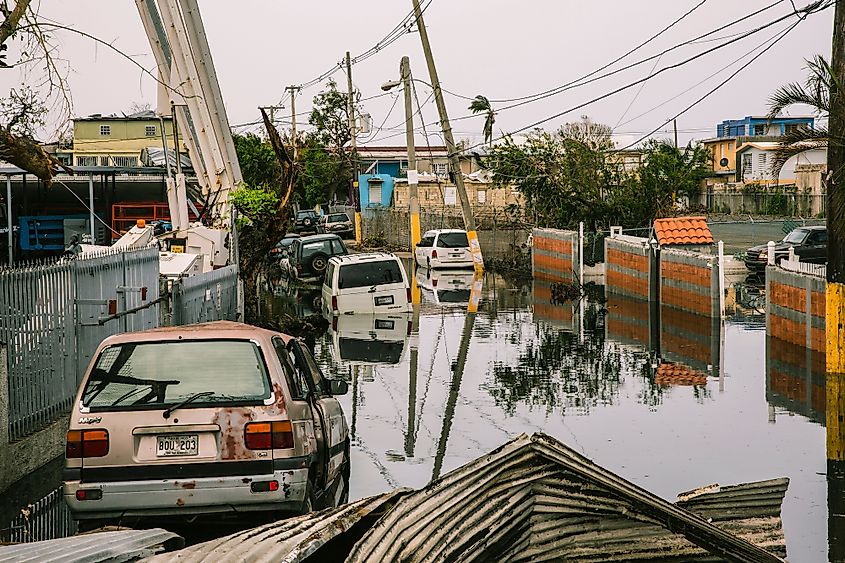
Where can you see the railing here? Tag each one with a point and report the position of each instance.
(45, 519)
(203, 298)
(794, 265)
(53, 315)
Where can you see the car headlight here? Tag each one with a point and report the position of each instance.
(764, 254)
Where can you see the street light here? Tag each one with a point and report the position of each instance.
(390, 85)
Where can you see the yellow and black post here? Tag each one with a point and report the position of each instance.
(835, 306)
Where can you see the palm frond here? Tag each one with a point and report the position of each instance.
(480, 104)
(791, 94)
(796, 142)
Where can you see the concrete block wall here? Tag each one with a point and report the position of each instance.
(554, 255)
(795, 308)
(629, 266)
(690, 338)
(689, 281)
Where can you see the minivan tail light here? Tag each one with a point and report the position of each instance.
(408, 294)
(334, 303)
(268, 435)
(434, 253)
(86, 443)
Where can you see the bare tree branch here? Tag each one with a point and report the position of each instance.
(10, 24)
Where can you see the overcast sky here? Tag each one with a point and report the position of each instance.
(499, 48)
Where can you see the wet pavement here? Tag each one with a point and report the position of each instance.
(460, 385)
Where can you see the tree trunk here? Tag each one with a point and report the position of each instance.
(10, 24)
(28, 155)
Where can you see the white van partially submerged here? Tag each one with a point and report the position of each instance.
(372, 282)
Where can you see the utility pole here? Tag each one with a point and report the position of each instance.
(835, 306)
(675, 127)
(293, 90)
(413, 178)
(454, 162)
(350, 113)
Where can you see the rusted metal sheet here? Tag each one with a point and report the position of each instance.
(535, 499)
(120, 545)
(294, 539)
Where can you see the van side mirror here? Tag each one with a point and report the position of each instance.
(338, 387)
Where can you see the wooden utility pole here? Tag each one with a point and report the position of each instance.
(413, 178)
(350, 114)
(835, 306)
(293, 90)
(675, 127)
(454, 162)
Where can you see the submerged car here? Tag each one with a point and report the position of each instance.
(309, 256)
(367, 283)
(279, 251)
(809, 243)
(444, 248)
(209, 418)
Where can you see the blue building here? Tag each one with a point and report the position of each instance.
(751, 126)
(376, 190)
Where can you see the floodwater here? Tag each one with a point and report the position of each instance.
(429, 396)
(432, 391)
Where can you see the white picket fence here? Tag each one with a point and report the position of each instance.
(795, 265)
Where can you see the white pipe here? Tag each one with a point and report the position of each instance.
(722, 278)
(9, 236)
(91, 207)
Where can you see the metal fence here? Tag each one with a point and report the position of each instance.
(53, 315)
(203, 298)
(45, 519)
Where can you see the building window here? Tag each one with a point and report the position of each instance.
(759, 129)
(104, 161)
(482, 196)
(125, 161)
(403, 165)
(105, 130)
(86, 161)
(375, 193)
(791, 127)
(746, 166)
(150, 130)
(441, 168)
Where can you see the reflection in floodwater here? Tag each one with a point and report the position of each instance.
(638, 388)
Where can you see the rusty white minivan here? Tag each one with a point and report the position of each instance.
(208, 418)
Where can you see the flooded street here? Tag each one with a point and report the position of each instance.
(459, 385)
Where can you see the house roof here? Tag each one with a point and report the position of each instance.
(145, 115)
(682, 230)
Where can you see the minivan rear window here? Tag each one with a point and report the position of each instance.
(155, 374)
(338, 218)
(453, 240)
(365, 274)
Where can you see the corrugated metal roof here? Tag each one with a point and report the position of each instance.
(535, 499)
(288, 541)
(119, 545)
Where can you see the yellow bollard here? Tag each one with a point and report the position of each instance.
(475, 250)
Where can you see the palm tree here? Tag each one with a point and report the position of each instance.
(815, 92)
(482, 104)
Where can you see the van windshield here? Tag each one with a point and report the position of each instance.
(156, 374)
(366, 274)
(453, 240)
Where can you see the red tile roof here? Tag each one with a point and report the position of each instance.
(682, 230)
(678, 374)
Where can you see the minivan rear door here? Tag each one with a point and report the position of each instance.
(453, 247)
(368, 286)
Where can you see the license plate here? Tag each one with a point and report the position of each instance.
(384, 300)
(382, 324)
(171, 445)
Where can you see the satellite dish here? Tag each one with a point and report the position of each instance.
(723, 162)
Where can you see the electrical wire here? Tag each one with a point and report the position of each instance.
(85, 205)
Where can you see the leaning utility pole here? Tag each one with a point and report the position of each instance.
(835, 306)
(293, 90)
(413, 178)
(350, 114)
(454, 162)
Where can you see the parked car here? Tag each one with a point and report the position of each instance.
(190, 420)
(309, 256)
(307, 220)
(444, 248)
(372, 282)
(278, 252)
(810, 244)
(370, 339)
(339, 224)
